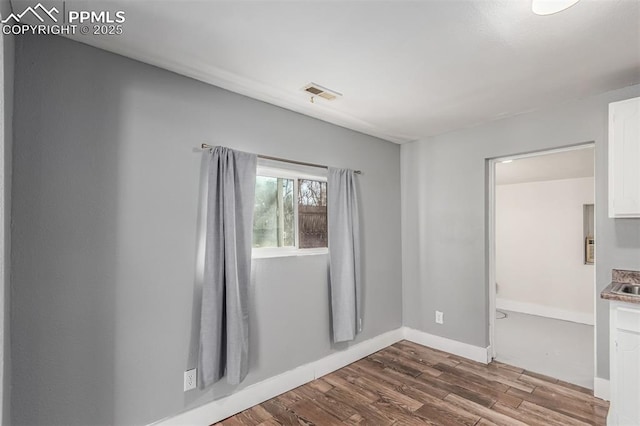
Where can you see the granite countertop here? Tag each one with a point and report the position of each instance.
(618, 279)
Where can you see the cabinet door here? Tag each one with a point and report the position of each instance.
(624, 158)
(627, 382)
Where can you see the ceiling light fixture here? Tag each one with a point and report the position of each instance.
(549, 7)
(506, 161)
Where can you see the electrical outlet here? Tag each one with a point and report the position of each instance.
(439, 317)
(190, 379)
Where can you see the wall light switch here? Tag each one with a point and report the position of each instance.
(190, 380)
(439, 317)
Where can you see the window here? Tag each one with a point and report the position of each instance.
(290, 212)
(312, 213)
(273, 214)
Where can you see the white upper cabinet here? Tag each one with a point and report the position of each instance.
(624, 158)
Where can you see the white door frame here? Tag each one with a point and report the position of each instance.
(491, 235)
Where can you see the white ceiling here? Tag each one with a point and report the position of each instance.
(407, 69)
(577, 163)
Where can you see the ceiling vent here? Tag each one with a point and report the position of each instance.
(316, 90)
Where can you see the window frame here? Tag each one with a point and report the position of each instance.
(279, 169)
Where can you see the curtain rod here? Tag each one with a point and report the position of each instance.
(284, 160)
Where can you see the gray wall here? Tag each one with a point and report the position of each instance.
(444, 214)
(105, 213)
(6, 137)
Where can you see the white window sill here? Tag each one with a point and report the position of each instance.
(266, 253)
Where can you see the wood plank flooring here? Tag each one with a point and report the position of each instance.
(409, 384)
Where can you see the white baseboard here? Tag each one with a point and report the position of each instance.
(544, 311)
(465, 350)
(601, 388)
(259, 392)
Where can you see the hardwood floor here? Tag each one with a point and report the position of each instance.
(409, 384)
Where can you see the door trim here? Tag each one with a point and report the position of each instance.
(491, 235)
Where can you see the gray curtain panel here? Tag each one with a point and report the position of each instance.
(224, 324)
(344, 254)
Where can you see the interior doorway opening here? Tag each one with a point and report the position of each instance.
(541, 236)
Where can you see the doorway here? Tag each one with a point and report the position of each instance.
(541, 265)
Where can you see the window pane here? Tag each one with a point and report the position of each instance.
(273, 217)
(312, 213)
